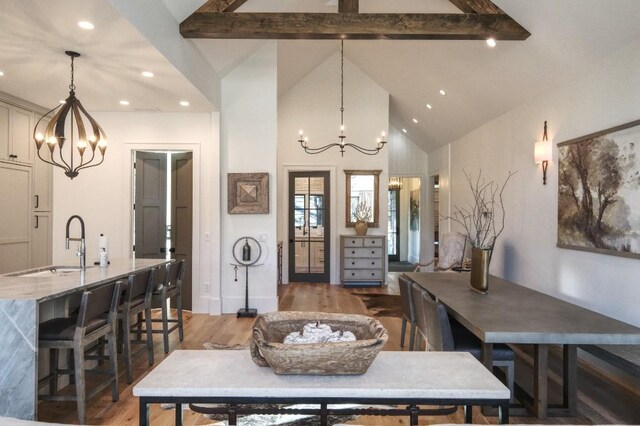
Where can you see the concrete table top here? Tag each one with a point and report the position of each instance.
(511, 313)
(224, 373)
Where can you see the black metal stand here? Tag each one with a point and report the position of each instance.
(246, 312)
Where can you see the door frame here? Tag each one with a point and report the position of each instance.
(396, 257)
(323, 277)
(283, 217)
(128, 215)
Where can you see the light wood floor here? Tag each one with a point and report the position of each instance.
(595, 392)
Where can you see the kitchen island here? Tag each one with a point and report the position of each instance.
(21, 296)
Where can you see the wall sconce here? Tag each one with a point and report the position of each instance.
(542, 153)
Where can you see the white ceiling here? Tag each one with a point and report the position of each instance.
(481, 83)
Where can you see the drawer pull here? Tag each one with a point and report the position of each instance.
(353, 252)
(353, 241)
(353, 274)
(373, 274)
(373, 252)
(373, 263)
(353, 263)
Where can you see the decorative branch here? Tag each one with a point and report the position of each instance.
(363, 212)
(478, 218)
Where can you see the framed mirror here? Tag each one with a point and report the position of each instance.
(362, 187)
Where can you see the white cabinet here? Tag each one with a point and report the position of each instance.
(42, 185)
(41, 238)
(15, 225)
(16, 125)
(362, 259)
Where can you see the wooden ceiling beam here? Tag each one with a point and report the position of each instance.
(348, 6)
(400, 26)
(477, 6)
(216, 6)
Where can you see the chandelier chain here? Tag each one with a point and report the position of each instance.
(342, 81)
(72, 86)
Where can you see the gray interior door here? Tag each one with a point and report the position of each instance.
(150, 204)
(309, 227)
(181, 217)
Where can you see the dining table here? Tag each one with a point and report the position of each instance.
(514, 314)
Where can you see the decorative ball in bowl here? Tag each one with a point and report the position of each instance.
(335, 358)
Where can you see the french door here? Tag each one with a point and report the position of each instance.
(309, 226)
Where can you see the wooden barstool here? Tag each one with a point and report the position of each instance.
(96, 319)
(170, 287)
(136, 301)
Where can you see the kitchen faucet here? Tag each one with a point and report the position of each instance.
(82, 249)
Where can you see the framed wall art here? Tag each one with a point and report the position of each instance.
(599, 192)
(414, 210)
(248, 193)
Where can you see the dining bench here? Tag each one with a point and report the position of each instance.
(624, 357)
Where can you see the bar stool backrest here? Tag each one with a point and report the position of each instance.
(175, 272)
(438, 327)
(100, 303)
(140, 284)
(406, 297)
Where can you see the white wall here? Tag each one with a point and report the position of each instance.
(605, 95)
(102, 195)
(314, 105)
(248, 143)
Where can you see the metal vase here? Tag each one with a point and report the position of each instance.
(480, 260)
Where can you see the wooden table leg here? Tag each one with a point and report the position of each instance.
(570, 378)
(540, 380)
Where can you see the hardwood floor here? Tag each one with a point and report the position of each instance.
(601, 401)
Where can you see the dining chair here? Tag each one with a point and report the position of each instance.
(96, 319)
(441, 336)
(136, 300)
(421, 325)
(451, 249)
(171, 287)
(408, 312)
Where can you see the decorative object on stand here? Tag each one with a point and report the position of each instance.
(54, 133)
(542, 153)
(395, 184)
(248, 193)
(414, 210)
(363, 216)
(483, 222)
(598, 192)
(242, 254)
(342, 144)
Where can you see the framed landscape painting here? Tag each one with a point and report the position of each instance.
(599, 192)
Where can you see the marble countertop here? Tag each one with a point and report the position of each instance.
(43, 288)
(230, 373)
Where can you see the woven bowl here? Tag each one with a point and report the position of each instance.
(343, 358)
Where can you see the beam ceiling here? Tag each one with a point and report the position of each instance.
(481, 20)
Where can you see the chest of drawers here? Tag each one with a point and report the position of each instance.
(362, 259)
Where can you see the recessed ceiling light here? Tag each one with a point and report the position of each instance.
(429, 106)
(404, 130)
(415, 120)
(184, 103)
(442, 92)
(147, 74)
(491, 42)
(1, 73)
(86, 25)
(124, 102)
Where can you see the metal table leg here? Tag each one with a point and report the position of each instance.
(178, 414)
(143, 413)
(570, 378)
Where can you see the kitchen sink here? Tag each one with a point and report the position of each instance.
(48, 271)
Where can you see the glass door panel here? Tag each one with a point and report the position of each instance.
(393, 229)
(309, 227)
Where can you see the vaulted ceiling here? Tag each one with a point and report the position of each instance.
(482, 83)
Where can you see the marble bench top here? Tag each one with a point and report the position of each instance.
(43, 288)
(404, 375)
